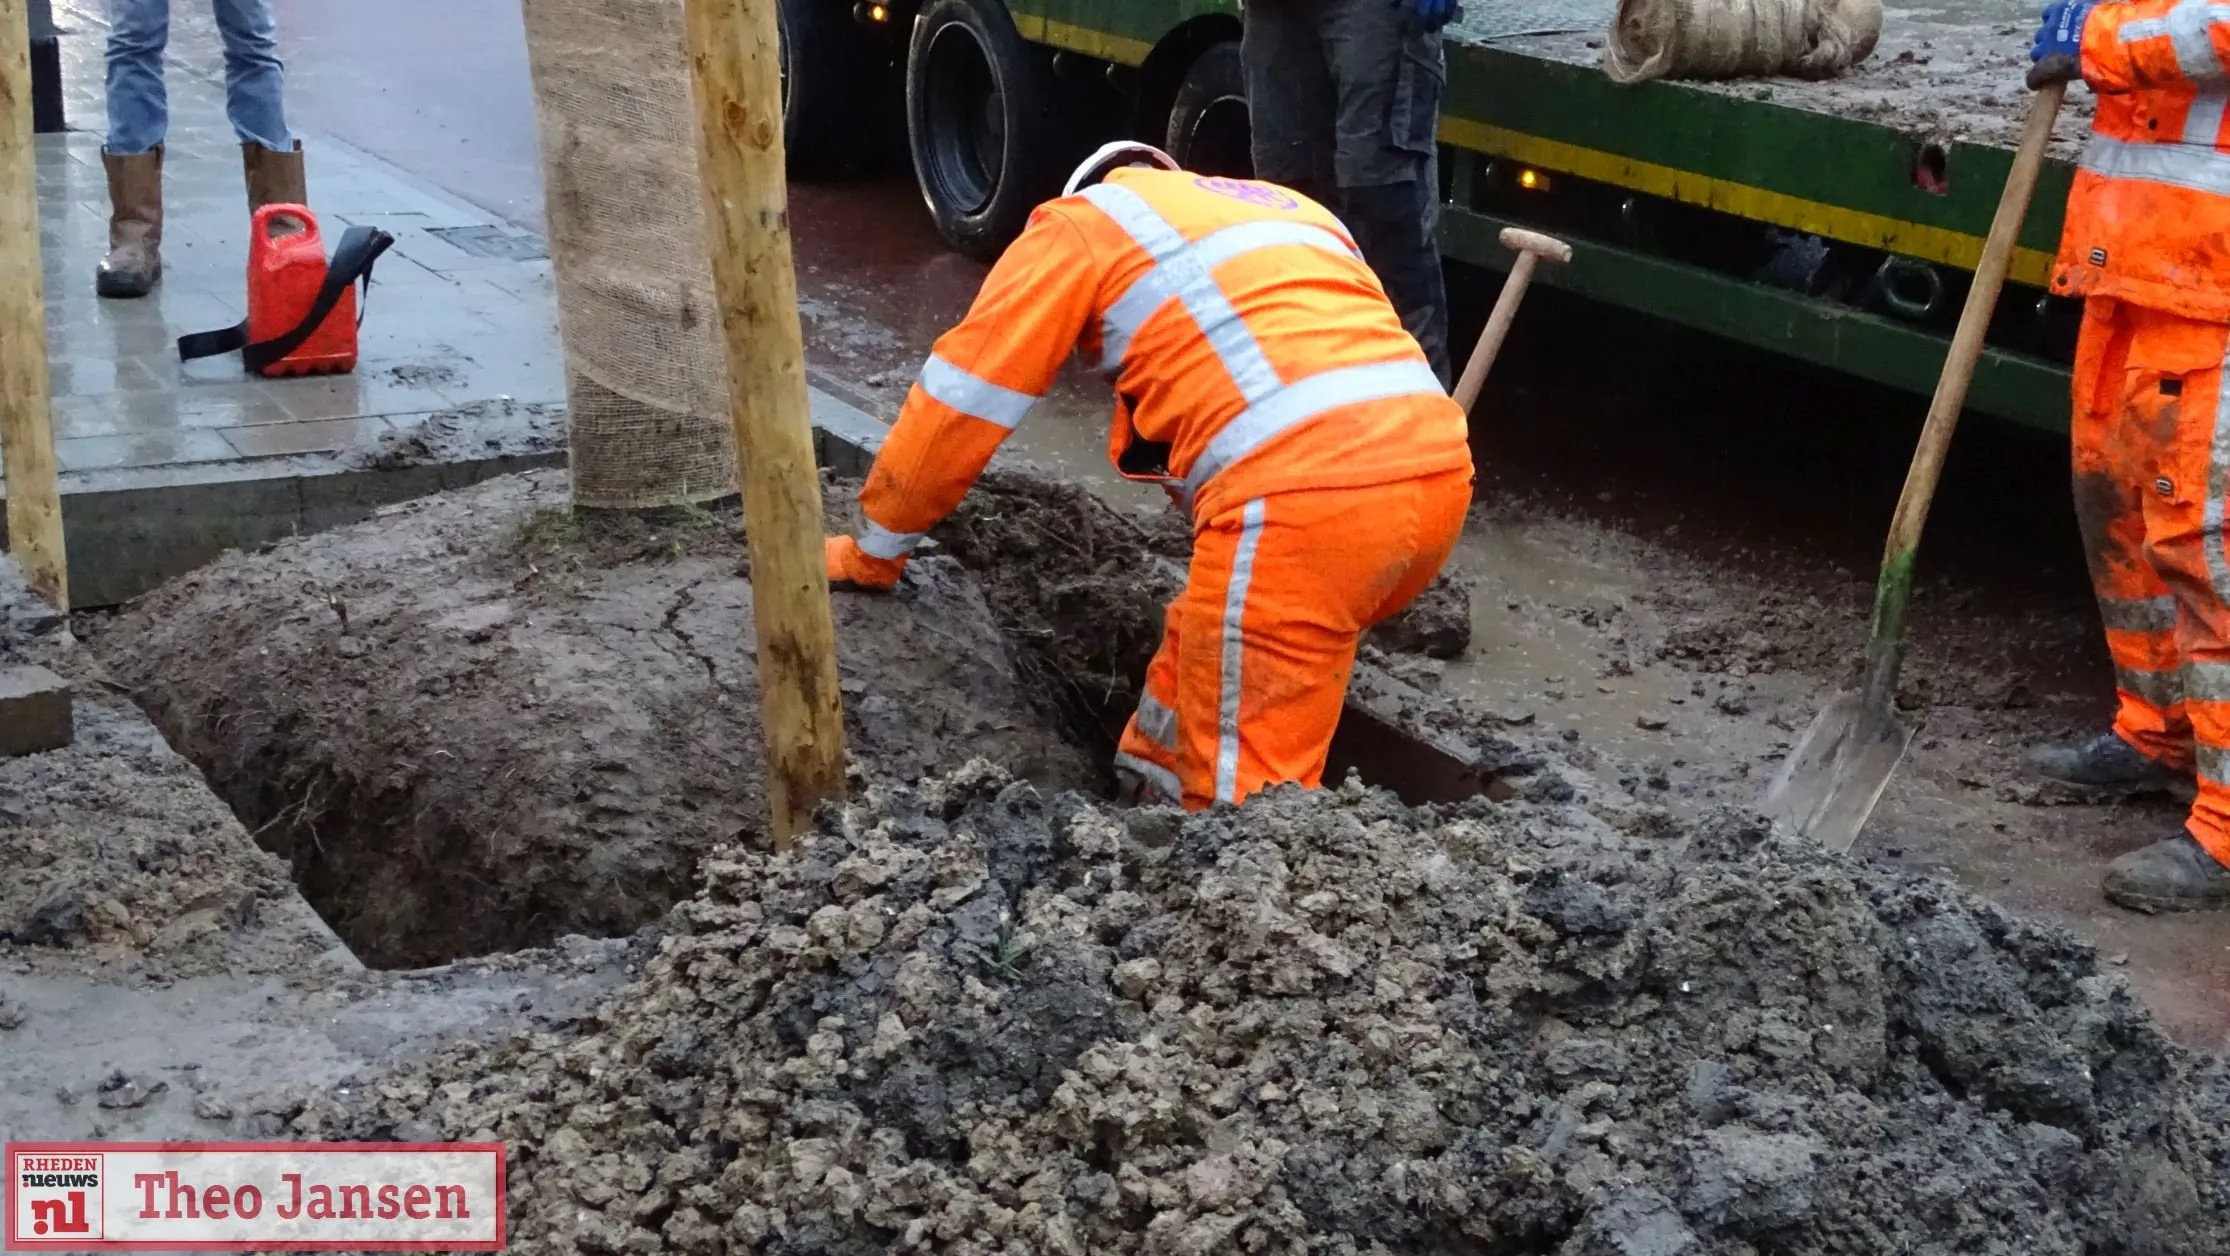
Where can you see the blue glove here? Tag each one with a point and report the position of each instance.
(2057, 54)
(1431, 15)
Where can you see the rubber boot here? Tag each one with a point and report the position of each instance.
(274, 177)
(134, 264)
(2173, 875)
(2105, 764)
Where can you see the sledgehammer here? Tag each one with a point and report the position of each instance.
(1531, 247)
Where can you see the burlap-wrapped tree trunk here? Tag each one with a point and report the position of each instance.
(645, 378)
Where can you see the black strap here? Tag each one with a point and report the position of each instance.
(351, 264)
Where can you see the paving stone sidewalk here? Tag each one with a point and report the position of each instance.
(461, 312)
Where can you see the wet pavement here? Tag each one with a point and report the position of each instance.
(461, 311)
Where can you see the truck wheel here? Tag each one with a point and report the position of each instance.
(822, 53)
(1208, 129)
(980, 123)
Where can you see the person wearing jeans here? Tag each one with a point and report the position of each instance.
(139, 117)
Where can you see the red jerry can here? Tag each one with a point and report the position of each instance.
(302, 310)
(286, 270)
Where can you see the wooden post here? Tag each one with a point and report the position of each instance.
(26, 422)
(736, 69)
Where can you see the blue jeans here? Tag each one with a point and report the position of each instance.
(138, 108)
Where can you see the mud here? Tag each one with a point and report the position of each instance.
(119, 858)
(1080, 587)
(474, 723)
(975, 1017)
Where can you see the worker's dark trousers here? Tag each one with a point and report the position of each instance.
(1345, 101)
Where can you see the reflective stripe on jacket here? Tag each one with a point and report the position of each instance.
(1250, 347)
(2148, 220)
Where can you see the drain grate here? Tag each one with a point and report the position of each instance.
(499, 242)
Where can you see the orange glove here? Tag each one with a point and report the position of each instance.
(849, 564)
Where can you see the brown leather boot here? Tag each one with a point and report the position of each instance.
(274, 177)
(134, 264)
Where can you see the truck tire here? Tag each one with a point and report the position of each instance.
(1208, 131)
(822, 52)
(980, 123)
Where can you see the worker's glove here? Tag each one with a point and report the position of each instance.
(849, 564)
(1431, 15)
(2057, 54)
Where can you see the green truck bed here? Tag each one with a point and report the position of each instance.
(1835, 222)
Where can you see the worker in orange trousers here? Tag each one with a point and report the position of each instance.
(1263, 379)
(2147, 246)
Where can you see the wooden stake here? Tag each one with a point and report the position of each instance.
(26, 421)
(735, 66)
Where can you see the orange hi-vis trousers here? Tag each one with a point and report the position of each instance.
(2152, 472)
(1255, 655)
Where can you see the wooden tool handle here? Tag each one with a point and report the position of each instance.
(1519, 240)
(1498, 326)
(1894, 590)
(1531, 247)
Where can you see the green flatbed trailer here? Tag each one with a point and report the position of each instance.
(1836, 223)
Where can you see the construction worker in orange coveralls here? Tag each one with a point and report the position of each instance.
(2147, 245)
(1264, 380)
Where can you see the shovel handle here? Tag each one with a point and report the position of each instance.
(1893, 593)
(1531, 247)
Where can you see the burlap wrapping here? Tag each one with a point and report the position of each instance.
(646, 378)
(1718, 39)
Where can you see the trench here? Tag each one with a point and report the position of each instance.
(438, 768)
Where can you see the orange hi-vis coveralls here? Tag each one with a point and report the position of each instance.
(1263, 378)
(2147, 243)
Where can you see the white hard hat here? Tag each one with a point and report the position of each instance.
(1112, 156)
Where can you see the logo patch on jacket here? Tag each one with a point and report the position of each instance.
(2098, 257)
(1245, 190)
(2164, 486)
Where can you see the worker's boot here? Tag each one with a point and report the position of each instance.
(134, 264)
(2173, 875)
(2106, 764)
(274, 177)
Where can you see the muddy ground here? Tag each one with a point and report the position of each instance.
(1672, 560)
(970, 1017)
(480, 722)
(1587, 1013)
(159, 975)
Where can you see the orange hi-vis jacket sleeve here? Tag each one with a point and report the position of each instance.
(2148, 218)
(981, 378)
(2153, 44)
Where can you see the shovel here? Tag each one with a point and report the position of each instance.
(1831, 781)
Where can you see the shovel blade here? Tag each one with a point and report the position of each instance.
(1829, 784)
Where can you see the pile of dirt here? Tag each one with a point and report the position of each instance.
(478, 723)
(972, 1017)
(117, 855)
(1079, 588)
